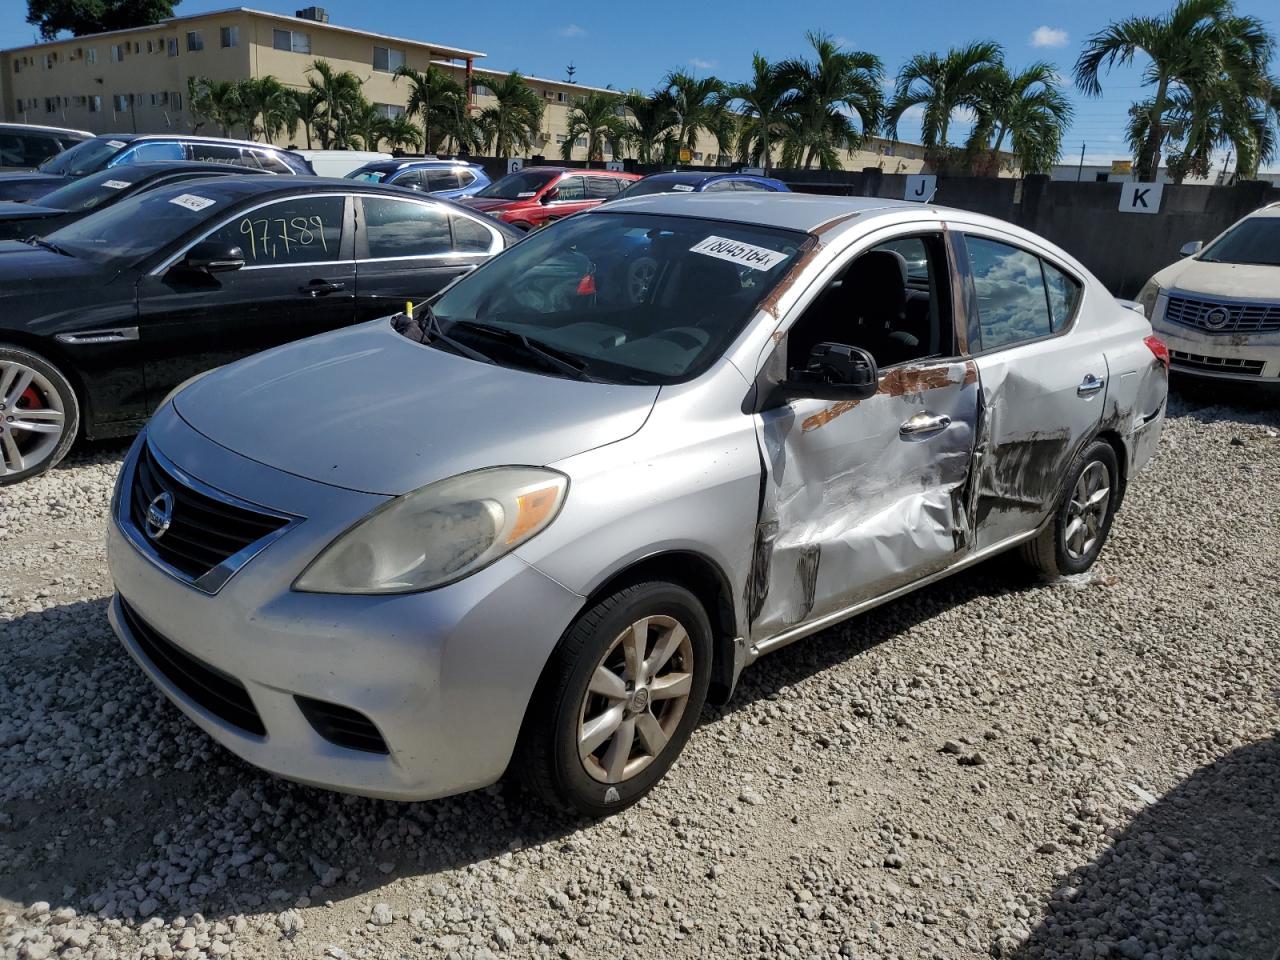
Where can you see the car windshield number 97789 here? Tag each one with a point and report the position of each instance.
(269, 238)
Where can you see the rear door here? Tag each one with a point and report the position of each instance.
(298, 280)
(1043, 390)
(571, 196)
(409, 249)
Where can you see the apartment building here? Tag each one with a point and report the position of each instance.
(136, 80)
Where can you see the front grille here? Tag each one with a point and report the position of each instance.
(222, 695)
(1223, 316)
(1217, 364)
(342, 725)
(204, 530)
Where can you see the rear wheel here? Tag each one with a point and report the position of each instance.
(1073, 539)
(618, 700)
(39, 415)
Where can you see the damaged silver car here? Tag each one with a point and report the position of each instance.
(536, 525)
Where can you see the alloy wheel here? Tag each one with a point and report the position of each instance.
(637, 695)
(1087, 510)
(32, 418)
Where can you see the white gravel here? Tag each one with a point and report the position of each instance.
(1088, 768)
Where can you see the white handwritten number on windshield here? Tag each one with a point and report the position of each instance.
(267, 241)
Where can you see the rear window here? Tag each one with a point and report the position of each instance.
(519, 186)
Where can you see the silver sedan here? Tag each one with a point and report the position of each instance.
(536, 525)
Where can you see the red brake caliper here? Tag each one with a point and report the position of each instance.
(30, 396)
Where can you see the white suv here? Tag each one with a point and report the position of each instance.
(1218, 310)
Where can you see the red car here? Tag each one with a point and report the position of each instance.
(534, 197)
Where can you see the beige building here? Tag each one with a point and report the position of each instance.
(136, 80)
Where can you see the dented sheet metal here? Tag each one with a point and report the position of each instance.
(850, 507)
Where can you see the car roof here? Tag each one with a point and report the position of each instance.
(1270, 210)
(189, 138)
(44, 128)
(155, 168)
(236, 187)
(790, 211)
(400, 163)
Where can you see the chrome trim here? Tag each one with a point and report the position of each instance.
(108, 335)
(215, 579)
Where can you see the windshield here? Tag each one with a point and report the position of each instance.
(634, 299)
(1254, 241)
(87, 157)
(371, 176)
(89, 192)
(519, 186)
(139, 225)
(648, 185)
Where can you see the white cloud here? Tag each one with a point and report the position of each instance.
(700, 64)
(1045, 36)
(571, 30)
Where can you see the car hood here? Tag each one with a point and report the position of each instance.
(26, 270)
(367, 409)
(488, 204)
(24, 186)
(12, 210)
(1236, 281)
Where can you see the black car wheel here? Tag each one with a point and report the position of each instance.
(39, 415)
(1074, 537)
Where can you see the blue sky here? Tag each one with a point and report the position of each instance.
(634, 44)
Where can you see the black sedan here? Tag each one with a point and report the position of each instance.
(101, 319)
(98, 191)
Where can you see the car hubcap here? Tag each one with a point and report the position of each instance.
(640, 276)
(637, 695)
(31, 418)
(1087, 510)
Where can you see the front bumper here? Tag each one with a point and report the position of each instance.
(444, 676)
(1241, 357)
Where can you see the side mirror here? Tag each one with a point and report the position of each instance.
(835, 371)
(550, 196)
(1191, 248)
(212, 256)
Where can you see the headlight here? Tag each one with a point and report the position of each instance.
(1148, 296)
(440, 533)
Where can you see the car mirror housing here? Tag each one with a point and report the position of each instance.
(1191, 248)
(212, 256)
(835, 371)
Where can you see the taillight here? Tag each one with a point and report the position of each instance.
(1156, 346)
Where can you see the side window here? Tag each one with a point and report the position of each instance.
(572, 188)
(409, 179)
(893, 301)
(269, 161)
(441, 180)
(719, 186)
(299, 230)
(36, 150)
(465, 177)
(405, 228)
(12, 151)
(601, 188)
(470, 236)
(750, 185)
(153, 150)
(1064, 294)
(1012, 306)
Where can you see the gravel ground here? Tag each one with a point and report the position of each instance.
(992, 767)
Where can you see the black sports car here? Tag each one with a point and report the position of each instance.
(97, 191)
(101, 319)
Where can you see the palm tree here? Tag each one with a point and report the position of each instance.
(306, 110)
(340, 99)
(438, 99)
(215, 101)
(766, 101)
(597, 118)
(1030, 110)
(511, 124)
(942, 85)
(267, 107)
(649, 123)
(830, 91)
(1197, 45)
(699, 105)
(400, 131)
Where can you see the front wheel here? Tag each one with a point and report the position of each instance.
(618, 700)
(39, 415)
(1074, 537)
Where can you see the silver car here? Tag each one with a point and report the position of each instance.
(534, 526)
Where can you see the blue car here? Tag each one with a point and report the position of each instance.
(450, 179)
(692, 181)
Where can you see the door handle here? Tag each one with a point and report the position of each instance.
(318, 288)
(923, 425)
(1090, 385)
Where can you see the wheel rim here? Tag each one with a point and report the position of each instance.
(32, 418)
(1087, 510)
(638, 693)
(640, 277)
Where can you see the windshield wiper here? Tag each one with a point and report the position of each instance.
(431, 330)
(567, 363)
(47, 244)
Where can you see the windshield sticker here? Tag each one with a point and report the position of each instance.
(526, 193)
(192, 202)
(682, 187)
(744, 254)
(116, 184)
(115, 143)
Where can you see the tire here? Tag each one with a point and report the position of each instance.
(1063, 548)
(564, 704)
(32, 443)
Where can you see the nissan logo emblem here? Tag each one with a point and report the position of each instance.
(1217, 318)
(159, 515)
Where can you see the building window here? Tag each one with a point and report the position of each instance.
(482, 91)
(151, 46)
(49, 60)
(562, 97)
(160, 99)
(91, 55)
(387, 60)
(292, 40)
(230, 36)
(173, 46)
(95, 104)
(50, 104)
(194, 41)
(117, 52)
(389, 110)
(120, 102)
(17, 66)
(562, 138)
(175, 100)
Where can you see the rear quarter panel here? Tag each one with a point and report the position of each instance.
(1137, 384)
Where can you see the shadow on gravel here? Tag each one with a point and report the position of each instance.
(1211, 399)
(1196, 875)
